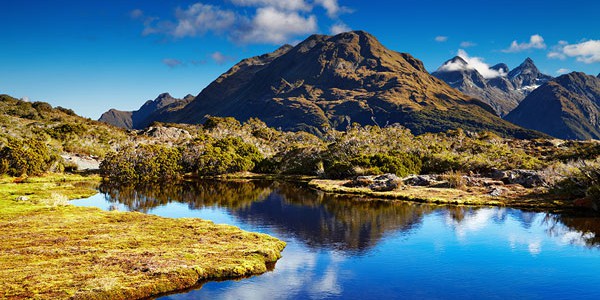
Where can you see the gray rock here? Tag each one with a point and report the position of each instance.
(385, 182)
(380, 183)
(22, 198)
(526, 178)
(421, 180)
(496, 191)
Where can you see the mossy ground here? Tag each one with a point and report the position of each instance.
(515, 196)
(49, 250)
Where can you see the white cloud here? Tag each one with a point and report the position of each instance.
(473, 63)
(536, 41)
(273, 21)
(332, 7)
(339, 28)
(270, 25)
(200, 18)
(172, 62)
(562, 71)
(293, 5)
(587, 52)
(441, 38)
(221, 58)
(467, 44)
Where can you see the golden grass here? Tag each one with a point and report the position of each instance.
(49, 250)
(516, 196)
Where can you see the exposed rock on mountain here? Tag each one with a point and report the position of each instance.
(142, 117)
(566, 107)
(503, 92)
(526, 77)
(333, 81)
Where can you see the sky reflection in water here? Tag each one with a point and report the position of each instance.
(339, 247)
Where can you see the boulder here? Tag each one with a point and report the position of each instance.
(385, 182)
(380, 183)
(22, 198)
(496, 191)
(526, 178)
(421, 180)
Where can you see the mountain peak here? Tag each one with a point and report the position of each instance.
(527, 65)
(501, 67)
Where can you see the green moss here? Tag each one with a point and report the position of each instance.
(61, 251)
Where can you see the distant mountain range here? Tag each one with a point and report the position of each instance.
(566, 107)
(143, 117)
(503, 91)
(332, 82)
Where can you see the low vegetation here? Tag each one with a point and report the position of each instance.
(36, 135)
(52, 250)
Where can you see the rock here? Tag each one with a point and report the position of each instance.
(22, 198)
(498, 175)
(385, 182)
(496, 191)
(526, 178)
(82, 163)
(421, 180)
(380, 183)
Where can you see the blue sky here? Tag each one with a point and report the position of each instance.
(94, 55)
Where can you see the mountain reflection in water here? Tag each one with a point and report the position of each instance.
(337, 222)
(355, 248)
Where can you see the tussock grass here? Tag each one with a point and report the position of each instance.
(516, 196)
(49, 250)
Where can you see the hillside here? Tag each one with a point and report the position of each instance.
(334, 81)
(567, 107)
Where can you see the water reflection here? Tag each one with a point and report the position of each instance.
(338, 222)
(347, 247)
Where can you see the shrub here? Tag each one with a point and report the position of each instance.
(399, 163)
(20, 157)
(146, 163)
(228, 155)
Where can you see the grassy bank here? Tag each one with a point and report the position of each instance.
(51, 250)
(514, 196)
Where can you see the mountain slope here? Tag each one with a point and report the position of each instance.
(503, 92)
(566, 107)
(333, 81)
(142, 117)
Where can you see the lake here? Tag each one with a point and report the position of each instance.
(342, 247)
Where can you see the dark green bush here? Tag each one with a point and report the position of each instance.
(228, 155)
(146, 163)
(31, 157)
(399, 163)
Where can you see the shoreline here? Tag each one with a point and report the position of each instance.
(50, 249)
(518, 197)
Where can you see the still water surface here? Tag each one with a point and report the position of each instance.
(349, 248)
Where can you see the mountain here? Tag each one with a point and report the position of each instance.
(141, 118)
(334, 81)
(526, 77)
(502, 90)
(566, 107)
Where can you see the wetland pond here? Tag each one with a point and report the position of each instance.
(340, 247)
